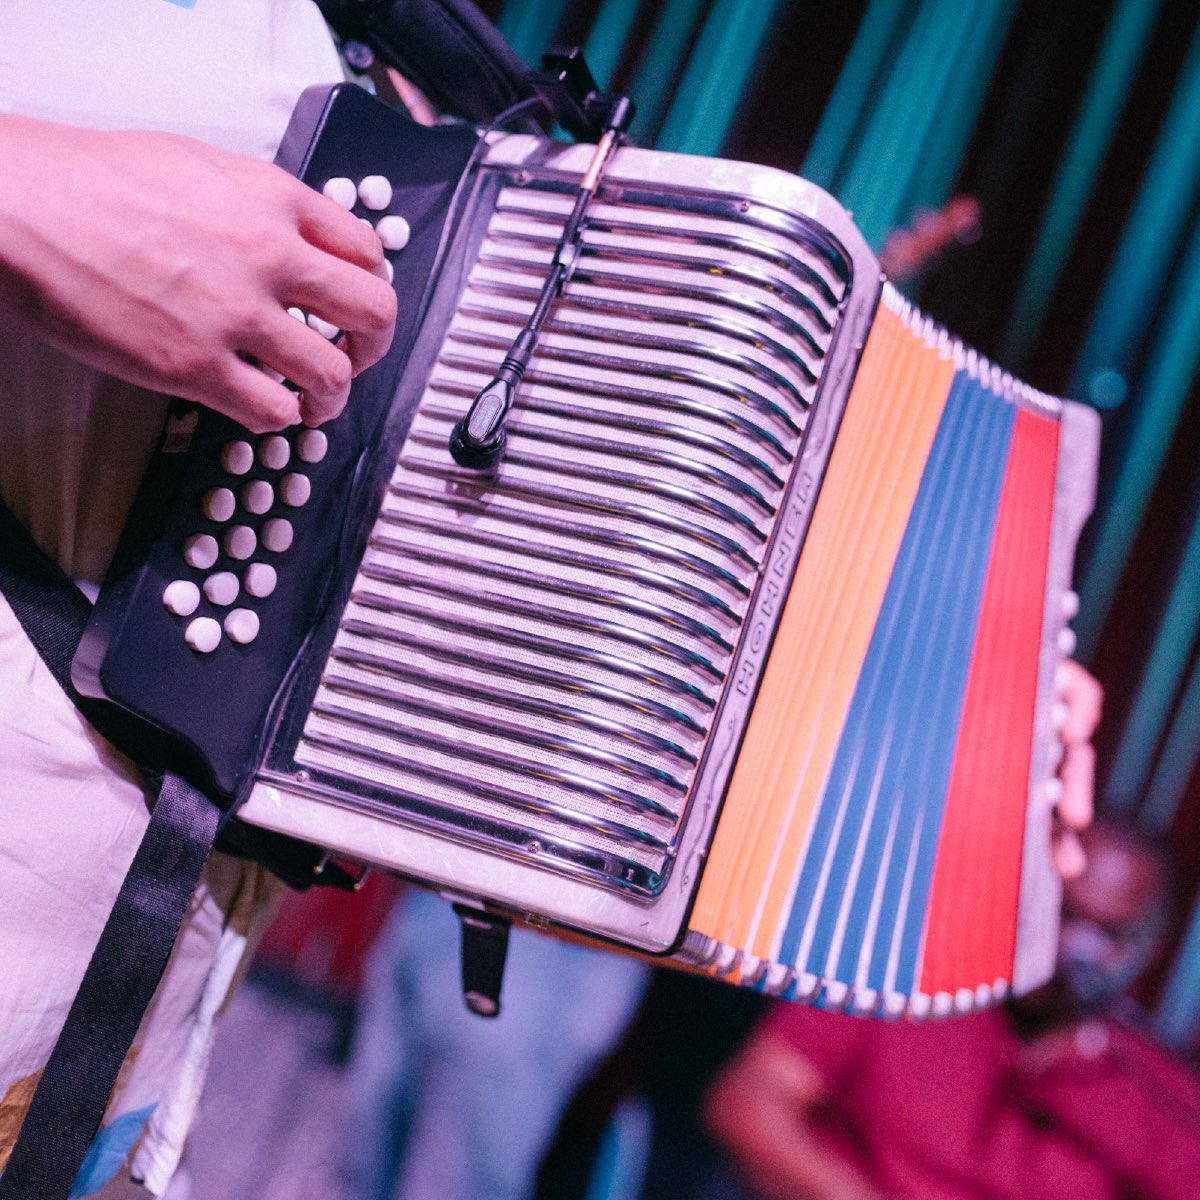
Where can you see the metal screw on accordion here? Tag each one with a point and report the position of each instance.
(358, 55)
(534, 846)
(301, 776)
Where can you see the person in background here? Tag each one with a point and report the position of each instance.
(1057, 1094)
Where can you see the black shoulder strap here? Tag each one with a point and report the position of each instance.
(132, 952)
(448, 48)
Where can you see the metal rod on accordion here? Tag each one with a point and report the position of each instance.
(477, 441)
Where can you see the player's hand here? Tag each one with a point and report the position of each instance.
(1082, 700)
(172, 265)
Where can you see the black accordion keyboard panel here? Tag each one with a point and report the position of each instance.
(231, 548)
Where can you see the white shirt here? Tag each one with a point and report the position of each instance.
(73, 445)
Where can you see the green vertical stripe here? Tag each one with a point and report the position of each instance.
(1179, 1008)
(872, 166)
(608, 38)
(926, 107)
(1151, 238)
(716, 75)
(1104, 99)
(661, 62)
(1177, 762)
(849, 102)
(530, 25)
(941, 160)
(1159, 685)
(1170, 371)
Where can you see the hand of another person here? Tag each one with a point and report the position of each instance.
(172, 265)
(759, 1110)
(1082, 699)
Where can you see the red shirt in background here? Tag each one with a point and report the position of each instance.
(967, 1110)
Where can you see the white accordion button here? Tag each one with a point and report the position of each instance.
(222, 588)
(219, 504)
(1053, 789)
(311, 445)
(259, 579)
(294, 490)
(200, 551)
(274, 452)
(258, 496)
(237, 457)
(1069, 605)
(375, 192)
(277, 534)
(393, 232)
(298, 313)
(324, 328)
(203, 634)
(920, 1005)
(240, 542)
(1066, 642)
(837, 993)
(242, 626)
(181, 597)
(391, 271)
(341, 191)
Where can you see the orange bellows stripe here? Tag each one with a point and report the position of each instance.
(857, 527)
(979, 854)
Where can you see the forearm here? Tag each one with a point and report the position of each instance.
(759, 1111)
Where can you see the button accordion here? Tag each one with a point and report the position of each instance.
(743, 655)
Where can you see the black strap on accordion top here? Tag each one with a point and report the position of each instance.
(448, 48)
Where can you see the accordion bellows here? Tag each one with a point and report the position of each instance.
(744, 655)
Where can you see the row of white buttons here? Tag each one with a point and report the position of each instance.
(182, 597)
(375, 192)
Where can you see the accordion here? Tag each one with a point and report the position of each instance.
(744, 654)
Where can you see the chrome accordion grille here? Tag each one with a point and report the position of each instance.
(537, 655)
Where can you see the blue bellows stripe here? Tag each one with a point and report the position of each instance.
(880, 811)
